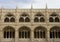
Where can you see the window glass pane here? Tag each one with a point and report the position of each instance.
(20, 34)
(23, 34)
(5, 34)
(28, 34)
(34, 34)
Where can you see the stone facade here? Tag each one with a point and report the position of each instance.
(32, 25)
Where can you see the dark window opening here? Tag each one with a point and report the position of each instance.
(12, 19)
(6, 20)
(27, 19)
(21, 19)
(51, 19)
(36, 19)
(42, 19)
(56, 19)
(9, 32)
(24, 34)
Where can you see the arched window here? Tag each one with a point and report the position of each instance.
(6, 19)
(55, 32)
(27, 19)
(54, 17)
(9, 18)
(12, 19)
(9, 32)
(51, 19)
(39, 32)
(36, 19)
(39, 17)
(24, 18)
(21, 19)
(42, 19)
(24, 32)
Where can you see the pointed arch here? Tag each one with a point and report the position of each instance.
(54, 17)
(24, 17)
(39, 17)
(9, 17)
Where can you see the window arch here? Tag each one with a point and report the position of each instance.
(27, 19)
(12, 19)
(21, 19)
(6, 19)
(9, 32)
(24, 18)
(51, 19)
(36, 19)
(42, 19)
(9, 18)
(55, 32)
(54, 17)
(24, 32)
(39, 32)
(39, 17)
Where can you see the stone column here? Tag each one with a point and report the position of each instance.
(1, 35)
(16, 35)
(48, 35)
(32, 36)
